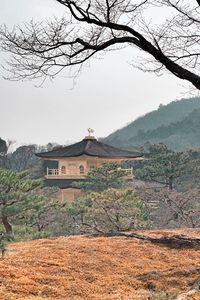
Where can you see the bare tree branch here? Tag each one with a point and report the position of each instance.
(198, 1)
(93, 26)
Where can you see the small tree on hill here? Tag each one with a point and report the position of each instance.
(106, 176)
(164, 166)
(17, 196)
(109, 211)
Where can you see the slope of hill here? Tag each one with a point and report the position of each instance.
(153, 127)
(94, 268)
(181, 135)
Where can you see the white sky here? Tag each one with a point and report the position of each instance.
(109, 94)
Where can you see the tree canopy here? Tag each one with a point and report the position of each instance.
(164, 166)
(18, 194)
(109, 211)
(93, 26)
(106, 176)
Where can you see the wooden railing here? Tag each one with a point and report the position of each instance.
(53, 172)
(59, 173)
(128, 172)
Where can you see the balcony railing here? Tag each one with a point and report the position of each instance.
(57, 173)
(53, 172)
(128, 172)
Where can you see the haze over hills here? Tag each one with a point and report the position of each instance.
(176, 124)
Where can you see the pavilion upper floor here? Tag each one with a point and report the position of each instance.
(77, 167)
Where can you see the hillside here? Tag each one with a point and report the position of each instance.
(165, 125)
(181, 135)
(95, 268)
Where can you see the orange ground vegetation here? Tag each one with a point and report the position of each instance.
(100, 268)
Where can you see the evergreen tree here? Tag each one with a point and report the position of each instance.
(18, 195)
(108, 175)
(109, 211)
(164, 166)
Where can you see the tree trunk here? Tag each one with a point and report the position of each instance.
(7, 225)
(170, 183)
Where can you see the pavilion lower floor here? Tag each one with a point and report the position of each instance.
(69, 194)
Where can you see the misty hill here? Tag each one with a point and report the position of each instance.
(179, 136)
(176, 124)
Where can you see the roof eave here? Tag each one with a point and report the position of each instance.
(92, 155)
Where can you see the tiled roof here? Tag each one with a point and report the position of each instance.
(89, 147)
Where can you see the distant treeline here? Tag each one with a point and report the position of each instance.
(23, 158)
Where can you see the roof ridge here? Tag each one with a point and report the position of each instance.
(91, 147)
(89, 141)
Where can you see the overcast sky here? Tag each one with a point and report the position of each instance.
(109, 94)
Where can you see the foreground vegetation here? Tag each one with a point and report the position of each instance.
(100, 268)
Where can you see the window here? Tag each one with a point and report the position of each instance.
(81, 169)
(63, 170)
(92, 167)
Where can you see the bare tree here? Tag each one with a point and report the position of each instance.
(93, 26)
(23, 158)
(172, 208)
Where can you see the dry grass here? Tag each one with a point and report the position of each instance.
(97, 268)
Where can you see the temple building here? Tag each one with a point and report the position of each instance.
(65, 165)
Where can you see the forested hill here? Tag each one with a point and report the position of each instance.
(176, 124)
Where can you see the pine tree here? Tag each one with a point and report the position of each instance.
(18, 195)
(164, 166)
(108, 175)
(109, 211)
